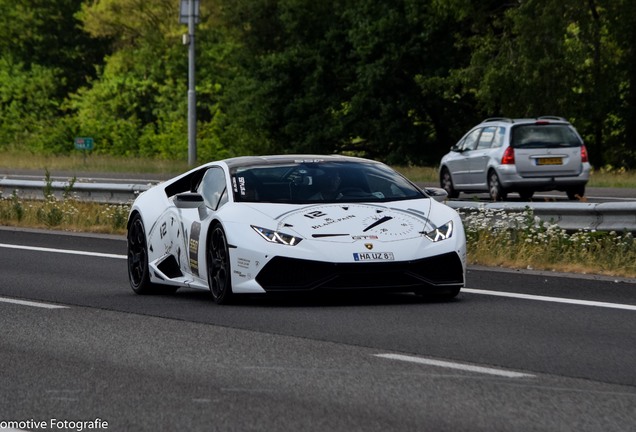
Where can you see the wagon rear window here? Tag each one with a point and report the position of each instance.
(544, 135)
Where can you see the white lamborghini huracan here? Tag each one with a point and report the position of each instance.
(294, 223)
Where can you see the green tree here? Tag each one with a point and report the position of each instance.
(364, 77)
(47, 33)
(43, 56)
(552, 57)
(618, 20)
(138, 103)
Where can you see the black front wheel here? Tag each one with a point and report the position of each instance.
(219, 271)
(138, 270)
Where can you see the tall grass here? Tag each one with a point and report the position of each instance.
(67, 214)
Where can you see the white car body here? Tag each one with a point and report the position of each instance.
(415, 244)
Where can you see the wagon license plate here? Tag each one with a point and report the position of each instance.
(373, 256)
(550, 161)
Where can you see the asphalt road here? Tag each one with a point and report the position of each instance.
(516, 351)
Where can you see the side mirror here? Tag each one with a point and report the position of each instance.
(438, 194)
(456, 149)
(188, 200)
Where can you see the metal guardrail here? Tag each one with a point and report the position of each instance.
(609, 216)
(116, 193)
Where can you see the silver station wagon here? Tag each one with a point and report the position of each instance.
(503, 155)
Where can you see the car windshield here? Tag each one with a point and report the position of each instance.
(544, 135)
(319, 182)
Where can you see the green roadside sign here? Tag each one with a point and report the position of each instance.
(84, 143)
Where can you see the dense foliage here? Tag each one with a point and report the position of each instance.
(397, 80)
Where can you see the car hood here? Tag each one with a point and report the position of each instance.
(353, 222)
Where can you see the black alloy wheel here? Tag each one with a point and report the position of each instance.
(219, 272)
(138, 271)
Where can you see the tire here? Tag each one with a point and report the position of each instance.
(138, 269)
(526, 195)
(219, 270)
(446, 183)
(576, 193)
(496, 191)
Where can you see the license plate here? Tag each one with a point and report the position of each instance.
(373, 256)
(550, 161)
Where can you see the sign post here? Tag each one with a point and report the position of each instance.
(189, 14)
(84, 144)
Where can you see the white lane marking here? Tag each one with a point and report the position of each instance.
(459, 366)
(30, 303)
(551, 299)
(64, 251)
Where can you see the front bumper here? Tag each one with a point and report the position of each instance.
(293, 274)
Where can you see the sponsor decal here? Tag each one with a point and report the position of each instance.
(364, 237)
(373, 256)
(330, 221)
(168, 247)
(241, 181)
(308, 160)
(239, 274)
(315, 214)
(195, 233)
(243, 262)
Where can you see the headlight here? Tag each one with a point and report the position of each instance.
(441, 233)
(277, 237)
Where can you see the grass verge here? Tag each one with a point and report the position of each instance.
(521, 240)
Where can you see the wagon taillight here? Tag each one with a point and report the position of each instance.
(508, 157)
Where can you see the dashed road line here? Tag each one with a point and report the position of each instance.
(551, 299)
(63, 251)
(32, 303)
(458, 366)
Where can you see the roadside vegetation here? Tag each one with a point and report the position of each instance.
(493, 237)
(499, 239)
(398, 81)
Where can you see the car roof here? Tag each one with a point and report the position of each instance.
(547, 119)
(242, 161)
